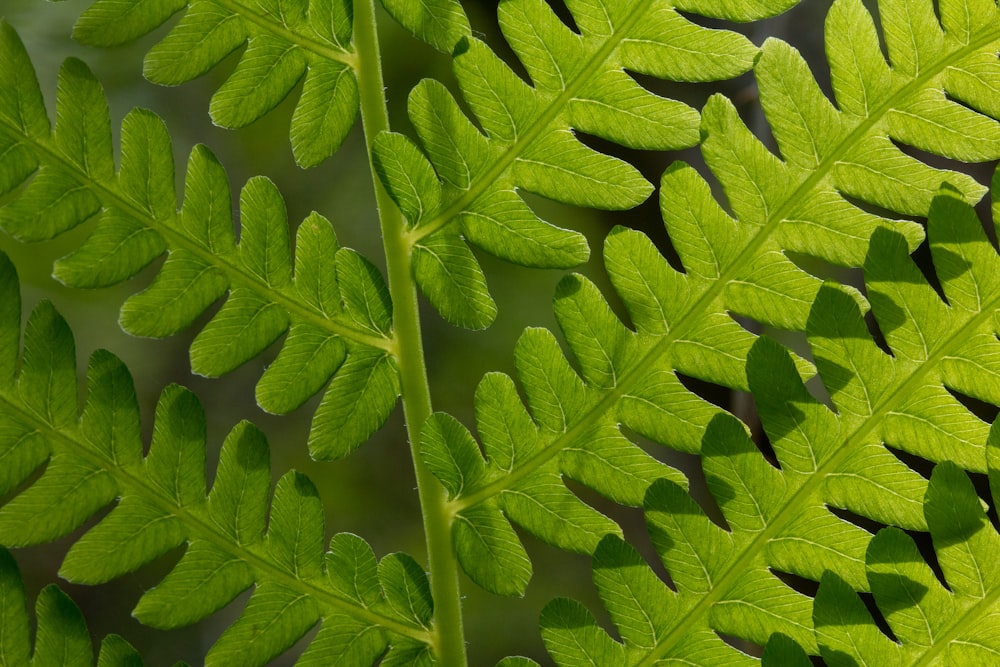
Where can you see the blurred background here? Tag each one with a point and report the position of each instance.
(372, 492)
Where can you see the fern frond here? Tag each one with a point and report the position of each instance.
(739, 265)
(161, 503)
(933, 625)
(682, 321)
(463, 187)
(938, 95)
(779, 519)
(61, 637)
(333, 303)
(285, 40)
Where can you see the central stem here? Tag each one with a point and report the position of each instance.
(449, 639)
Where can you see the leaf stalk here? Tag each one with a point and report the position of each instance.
(447, 633)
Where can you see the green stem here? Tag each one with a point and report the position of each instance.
(449, 638)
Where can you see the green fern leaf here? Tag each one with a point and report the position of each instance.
(22, 105)
(572, 637)
(307, 359)
(839, 611)
(406, 588)
(335, 304)
(234, 538)
(273, 620)
(10, 329)
(638, 601)
(529, 143)
(782, 651)
(61, 638)
(738, 263)
(344, 640)
(935, 93)
(528, 451)
(932, 624)
(521, 477)
(829, 153)
(193, 589)
(779, 520)
(450, 276)
(366, 298)
(409, 654)
(116, 652)
(286, 41)
(357, 402)
(62, 633)
(440, 23)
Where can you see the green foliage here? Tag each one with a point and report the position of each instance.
(233, 540)
(843, 424)
(529, 143)
(335, 305)
(932, 624)
(61, 637)
(285, 41)
(779, 519)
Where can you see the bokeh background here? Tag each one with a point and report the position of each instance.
(372, 492)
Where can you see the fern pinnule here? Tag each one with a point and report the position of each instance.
(440, 23)
(465, 188)
(931, 624)
(779, 520)
(334, 304)
(781, 651)
(61, 635)
(801, 202)
(285, 41)
(96, 458)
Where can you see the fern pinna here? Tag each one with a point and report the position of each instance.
(61, 635)
(162, 503)
(931, 624)
(842, 178)
(779, 520)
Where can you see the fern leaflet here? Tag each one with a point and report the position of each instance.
(285, 40)
(61, 637)
(97, 458)
(933, 625)
(464, 189)
(334, 305)
(779, 520)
